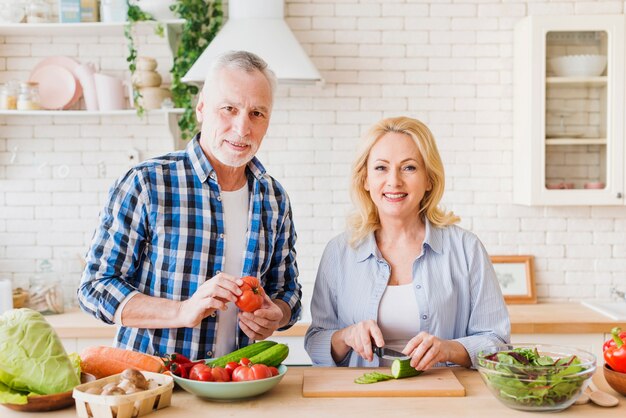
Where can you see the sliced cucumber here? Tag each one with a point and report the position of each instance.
(372, 377)
(402, 368)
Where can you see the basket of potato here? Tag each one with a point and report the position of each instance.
(130, 394)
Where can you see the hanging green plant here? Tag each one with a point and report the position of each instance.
(202, 21)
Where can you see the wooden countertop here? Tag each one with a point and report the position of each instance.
(540, 318)
(286, 400)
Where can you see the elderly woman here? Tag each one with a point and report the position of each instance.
(403, 276)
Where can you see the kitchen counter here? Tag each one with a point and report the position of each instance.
(286, 400)
(540, 318)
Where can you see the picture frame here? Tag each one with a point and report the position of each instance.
(516, 275)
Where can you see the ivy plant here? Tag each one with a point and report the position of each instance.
(202, 21)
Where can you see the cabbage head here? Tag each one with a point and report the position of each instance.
(32, 358)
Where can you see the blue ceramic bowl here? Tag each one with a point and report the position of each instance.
(230, 391)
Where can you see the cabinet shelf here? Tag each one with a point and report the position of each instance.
(124, 112)
(585, 81)
(73, 29)
(575, 141)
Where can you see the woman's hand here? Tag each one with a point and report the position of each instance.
(426, 350)
(213, 294)
(359, 338)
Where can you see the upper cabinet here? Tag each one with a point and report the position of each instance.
(569, 110)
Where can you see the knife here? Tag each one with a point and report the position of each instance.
(389, 354)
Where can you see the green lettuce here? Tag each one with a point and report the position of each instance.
(32, 358)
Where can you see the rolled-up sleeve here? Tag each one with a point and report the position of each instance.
(115, 249)
(325, 322)
(489, 322)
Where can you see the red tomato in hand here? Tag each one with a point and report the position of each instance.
(201, 372)
(274, 370)
(231, 366)
(252, 294)
(220, 374)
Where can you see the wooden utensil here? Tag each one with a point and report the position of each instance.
(601, 398)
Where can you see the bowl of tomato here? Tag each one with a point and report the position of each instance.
(248, 383)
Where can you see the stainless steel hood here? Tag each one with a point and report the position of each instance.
(258, 26)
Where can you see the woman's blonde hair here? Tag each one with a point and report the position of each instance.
(365, 218)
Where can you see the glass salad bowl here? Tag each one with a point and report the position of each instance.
(536, 377)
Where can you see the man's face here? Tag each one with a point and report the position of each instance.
(234, 109)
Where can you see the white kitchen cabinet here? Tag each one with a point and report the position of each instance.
(568, 130)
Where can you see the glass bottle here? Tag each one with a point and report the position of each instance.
(46, 292)
(8, 96)
(37, 11)
(29, 97)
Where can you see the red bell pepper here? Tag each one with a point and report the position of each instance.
(615, 356)
(611, 342)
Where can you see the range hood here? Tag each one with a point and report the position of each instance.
(259, 26)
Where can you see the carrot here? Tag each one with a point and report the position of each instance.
(103, 361)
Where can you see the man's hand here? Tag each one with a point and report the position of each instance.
(262, 323)
(213, 294)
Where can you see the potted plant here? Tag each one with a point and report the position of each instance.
(202, 20)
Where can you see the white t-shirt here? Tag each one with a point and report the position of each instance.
(235, 205)
(398, 317)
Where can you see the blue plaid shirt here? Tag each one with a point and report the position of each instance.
(162, 233)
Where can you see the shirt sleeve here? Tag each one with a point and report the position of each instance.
(115, 250)
(282, 282)
(324, 316)
(489, 322)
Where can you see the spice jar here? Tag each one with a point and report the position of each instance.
(8, 96)
(46, 292)
(29, 97)
(37, 11)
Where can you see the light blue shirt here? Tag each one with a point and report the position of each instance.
(455, 285)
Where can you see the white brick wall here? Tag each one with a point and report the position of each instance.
(446, 63)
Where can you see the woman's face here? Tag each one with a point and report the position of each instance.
(396, 177)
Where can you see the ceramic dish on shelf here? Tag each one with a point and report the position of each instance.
(586, 65)
(70, 65)
(57, 86)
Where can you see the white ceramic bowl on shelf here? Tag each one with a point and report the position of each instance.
(578, 65)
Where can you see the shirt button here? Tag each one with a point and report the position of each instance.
(212, 175)
(218, 271)
(424, 317)
(219, 198)
(222, 236)
(213, 315)
(419, 286)
(209, 353)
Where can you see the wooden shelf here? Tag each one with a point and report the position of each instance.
(73, 29)
(587, 81)
(575, 141)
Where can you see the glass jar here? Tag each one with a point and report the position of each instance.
(8, 96)
(29, 97)
(37, 11)
(45, 291)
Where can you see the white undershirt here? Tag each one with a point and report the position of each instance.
(398, 317)
(235, 205)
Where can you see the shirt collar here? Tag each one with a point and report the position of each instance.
(203, 167)
(433, 238)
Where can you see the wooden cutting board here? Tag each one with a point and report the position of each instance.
(338, 382)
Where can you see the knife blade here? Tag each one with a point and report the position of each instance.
(389, 354)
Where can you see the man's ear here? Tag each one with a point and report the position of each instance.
(199, 107)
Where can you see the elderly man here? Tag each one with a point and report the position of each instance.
(178, 231)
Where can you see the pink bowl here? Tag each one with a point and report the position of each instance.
(594, 185)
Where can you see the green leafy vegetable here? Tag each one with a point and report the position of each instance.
(32, 358)
(524, 377)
